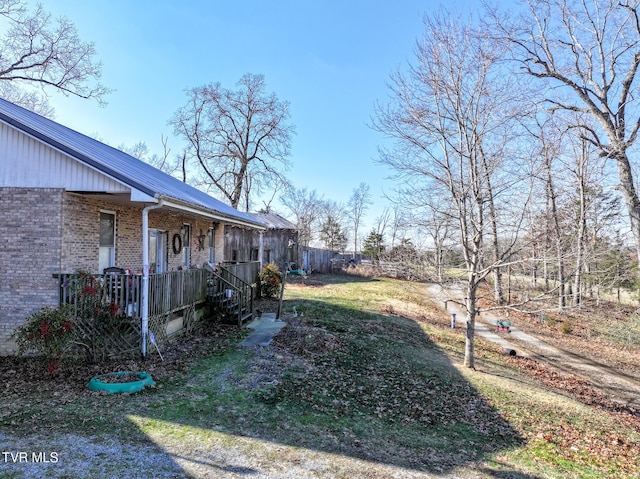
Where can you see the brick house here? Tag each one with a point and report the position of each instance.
(69, 202)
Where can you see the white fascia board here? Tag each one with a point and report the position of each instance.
(210, 214)
(139, 196)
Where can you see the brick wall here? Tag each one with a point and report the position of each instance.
(30, 244)
(48, 231)
(81, 234)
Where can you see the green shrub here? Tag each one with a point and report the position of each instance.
(48, 332)
(89, 324)
(270, 281)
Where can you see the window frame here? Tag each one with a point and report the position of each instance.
(112, 248)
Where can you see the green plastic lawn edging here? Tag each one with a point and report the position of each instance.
(95, 384)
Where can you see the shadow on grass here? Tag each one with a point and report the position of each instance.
(339, 393)
(363, 386)
(324, 279)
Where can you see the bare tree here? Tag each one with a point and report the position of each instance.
(585, 169)
(449, 119)
(548, 138)
(399, 223)
(588, 52)
(163, 162)
(356, 208)
(238, 138)
(37, 51)
(382, 223)
(437, 222)
(306, 207)
(265, 183)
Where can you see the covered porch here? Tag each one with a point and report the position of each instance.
(175, 302)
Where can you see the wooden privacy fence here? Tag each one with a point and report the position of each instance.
(316, 259)
(247, 272)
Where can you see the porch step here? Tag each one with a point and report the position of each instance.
(230, 311)
(244, 316)
(229, 308)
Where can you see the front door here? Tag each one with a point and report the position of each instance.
(158, 251)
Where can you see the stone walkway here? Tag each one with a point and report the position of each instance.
(263, 330)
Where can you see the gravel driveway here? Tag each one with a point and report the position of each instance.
(619, 386)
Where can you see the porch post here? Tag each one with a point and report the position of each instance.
(261, 249)
(145, 274)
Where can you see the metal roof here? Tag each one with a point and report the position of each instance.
(117, 164)
(273, 221)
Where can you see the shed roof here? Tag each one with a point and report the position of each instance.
(130, 171)
(273, 221)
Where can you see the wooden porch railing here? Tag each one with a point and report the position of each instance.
(173, 291)
(119, 290)
(172, 296)
(168, 292)
(173, 301)
(231, 295)
(247, 272)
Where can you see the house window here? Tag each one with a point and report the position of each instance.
(267, 256)
(186, 245)
(107, 252)
(234, 255)
(254, 254)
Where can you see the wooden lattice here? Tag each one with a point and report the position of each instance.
(99, 341)
(158, 326)
(108, 322)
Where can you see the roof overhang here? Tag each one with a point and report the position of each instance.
(172, 203)
(145, 186)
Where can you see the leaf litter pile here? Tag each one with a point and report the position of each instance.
(25, 378)
(370, 371)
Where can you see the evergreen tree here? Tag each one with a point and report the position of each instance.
(333, 235)
(373, 245)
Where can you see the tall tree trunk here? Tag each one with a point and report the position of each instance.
(498, 294)
(471, 299)
(551, 197)
(630, 197)
(534, 268)
(580, 239)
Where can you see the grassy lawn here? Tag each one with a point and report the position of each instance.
(365, 382)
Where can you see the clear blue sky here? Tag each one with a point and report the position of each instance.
(330, 59)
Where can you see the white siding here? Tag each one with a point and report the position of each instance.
(26, 162)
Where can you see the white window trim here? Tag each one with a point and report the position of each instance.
(112, 260)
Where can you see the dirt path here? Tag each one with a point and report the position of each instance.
(618, 386)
